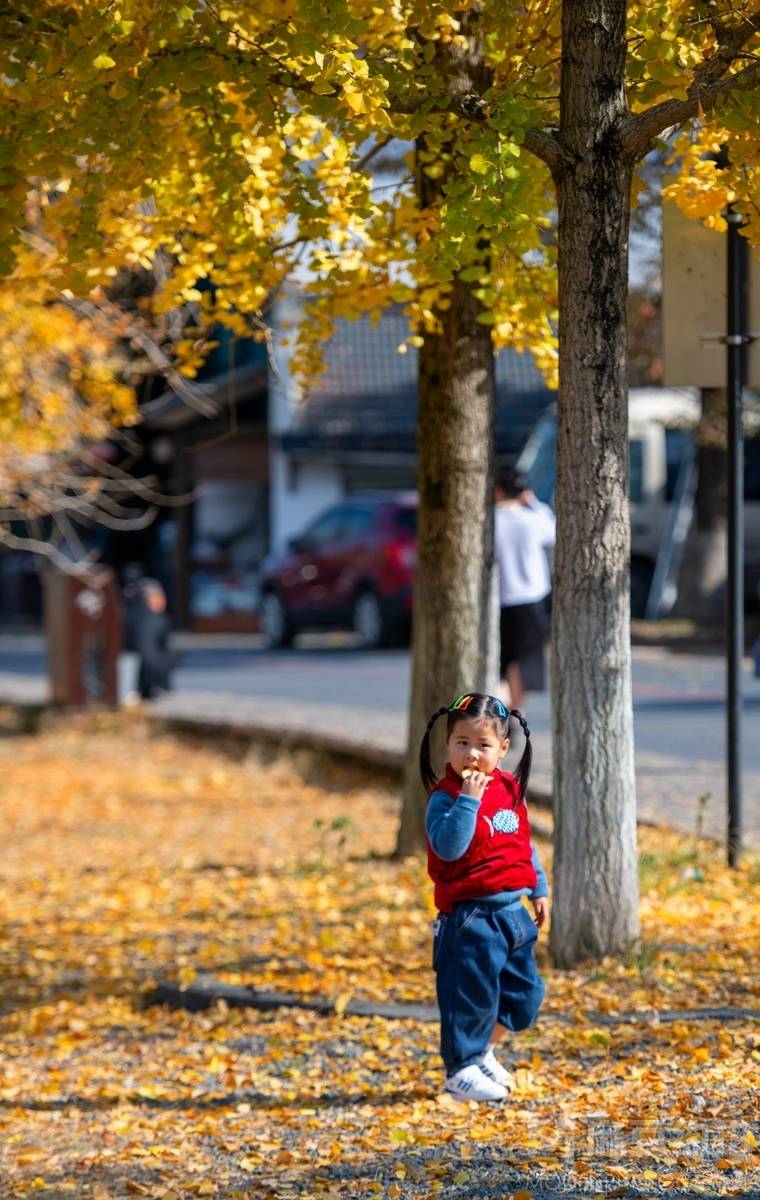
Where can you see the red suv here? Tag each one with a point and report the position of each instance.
(352, 568)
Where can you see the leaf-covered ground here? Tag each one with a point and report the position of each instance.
(130, 856)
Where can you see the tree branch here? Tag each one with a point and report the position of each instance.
(192, 393)
(85, 569)
(639, 131)
(547, 146)
(378, 147)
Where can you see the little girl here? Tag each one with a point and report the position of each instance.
(482, 861)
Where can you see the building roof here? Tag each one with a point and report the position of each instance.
(366, 400)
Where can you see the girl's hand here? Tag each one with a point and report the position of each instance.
(541, 909)
(475, 784)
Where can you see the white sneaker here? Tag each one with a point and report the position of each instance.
(471, 1084)
(493, 1070)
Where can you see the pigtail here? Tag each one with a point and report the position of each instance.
(522, 774)
(426, 766)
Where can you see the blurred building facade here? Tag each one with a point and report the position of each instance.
(355, 428)
(243, 480)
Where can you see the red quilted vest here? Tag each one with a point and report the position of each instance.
(498, 858)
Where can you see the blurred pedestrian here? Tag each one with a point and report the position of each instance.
(524, 529)
(147, 628)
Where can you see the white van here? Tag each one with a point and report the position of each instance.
(661, 422)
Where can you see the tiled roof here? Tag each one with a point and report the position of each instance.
(367, 397)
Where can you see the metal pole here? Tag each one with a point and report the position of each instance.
(736, 344)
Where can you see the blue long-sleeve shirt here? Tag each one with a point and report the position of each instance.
(450, 825)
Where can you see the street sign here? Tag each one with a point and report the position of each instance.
(694, 304)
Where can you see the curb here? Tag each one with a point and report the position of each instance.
(290, 739)
(342, 748)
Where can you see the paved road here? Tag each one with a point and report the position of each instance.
(678, 709)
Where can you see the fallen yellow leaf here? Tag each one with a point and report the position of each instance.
(342, 1003)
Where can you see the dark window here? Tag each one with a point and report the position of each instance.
(677, 442)
(636, 459)
(406, 518)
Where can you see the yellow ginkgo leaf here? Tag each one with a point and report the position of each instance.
(342, 1002)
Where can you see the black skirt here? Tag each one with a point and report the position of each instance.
(524, 629)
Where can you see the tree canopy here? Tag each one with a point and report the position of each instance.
(244, 139)
(63, 388)
(72, 370)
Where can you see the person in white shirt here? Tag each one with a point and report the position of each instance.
(524, 529)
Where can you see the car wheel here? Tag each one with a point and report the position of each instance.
(369, 621)
(274, 623)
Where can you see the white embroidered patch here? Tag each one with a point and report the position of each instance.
(506, 821)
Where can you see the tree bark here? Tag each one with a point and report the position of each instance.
(452, 650)
(702, 578)
(454, 530)
(595, 872)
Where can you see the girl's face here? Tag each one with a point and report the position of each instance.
(474, 742)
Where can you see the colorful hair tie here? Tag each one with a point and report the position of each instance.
(461, 703)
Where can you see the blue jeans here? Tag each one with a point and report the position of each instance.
(485, 974)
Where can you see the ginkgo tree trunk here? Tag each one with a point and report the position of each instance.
(595, 866)
(592, 156)
(454, 531)
(455, 451)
